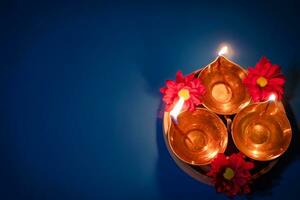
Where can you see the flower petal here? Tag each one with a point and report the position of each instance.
(274, 83)
(273, 70)
(239, 183)
(179, 77)
(277, 81)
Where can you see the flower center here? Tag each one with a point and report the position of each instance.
(262, 81)
(228, 174)
(184, 93)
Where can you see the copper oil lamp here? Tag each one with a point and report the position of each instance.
(262, 130)
(195, 137)
(225, 92)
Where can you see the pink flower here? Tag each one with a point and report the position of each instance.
(188, 87)
(263, 80)
(231, 174)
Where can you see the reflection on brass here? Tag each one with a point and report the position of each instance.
(198, 137)
(262, 131)
(225, 92)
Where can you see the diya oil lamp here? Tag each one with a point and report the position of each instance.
(262, 130)
(225, 92)
(197, 137)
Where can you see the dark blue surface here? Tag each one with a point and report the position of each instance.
(79, 83)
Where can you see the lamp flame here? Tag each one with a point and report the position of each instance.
(272, 97)
(223, 50)
(176, 110)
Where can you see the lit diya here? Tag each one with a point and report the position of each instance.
(262, 130)
(225, 91)
(195, 135)
(198, 137)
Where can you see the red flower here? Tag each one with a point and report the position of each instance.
(263, 80)
(188, 87)
(231, 174)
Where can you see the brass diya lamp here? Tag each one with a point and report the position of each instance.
(225, 92)
(197, 137)
(262, 130)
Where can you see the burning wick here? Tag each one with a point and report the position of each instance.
(184, 94)
(224, 50)
(272, 98)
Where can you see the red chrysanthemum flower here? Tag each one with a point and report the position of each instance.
(231, 174)
(189, 87)
(263, 80)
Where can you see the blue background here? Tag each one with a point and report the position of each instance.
(79, 104)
